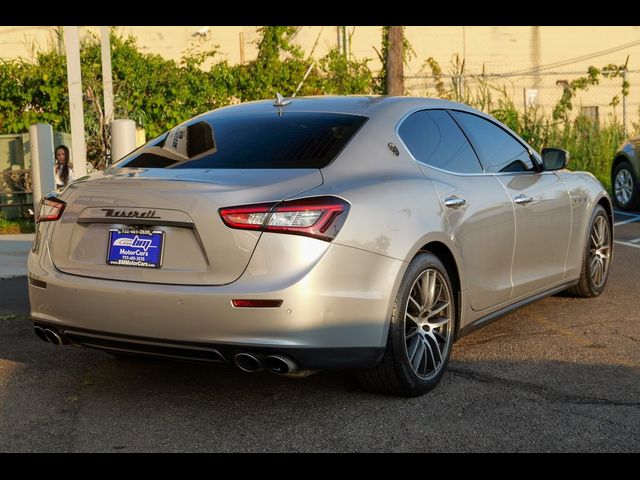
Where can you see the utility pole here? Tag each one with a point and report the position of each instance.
(624, 100)
(74, 80)
(395, 74)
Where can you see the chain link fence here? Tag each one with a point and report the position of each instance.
(601, 102)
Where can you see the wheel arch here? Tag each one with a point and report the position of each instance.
(608, 207)
(605, 201)
(446, 256)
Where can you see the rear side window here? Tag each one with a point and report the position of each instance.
(433, 138)
(256, 141)
(497, 149)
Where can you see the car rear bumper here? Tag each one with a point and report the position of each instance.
(306, 358)
(337, 309)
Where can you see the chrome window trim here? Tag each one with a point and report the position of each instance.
(534, 160)
(483, 173)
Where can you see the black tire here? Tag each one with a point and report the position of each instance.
(586, 287)
(633, 202)
(394, 374)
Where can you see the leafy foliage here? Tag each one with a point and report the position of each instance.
(590, 144)
(380, 85)
(157, 93)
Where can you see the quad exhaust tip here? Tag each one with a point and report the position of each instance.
(280, 364)
(48, 335)
(53, 336)
(248, 362)
(39, 331)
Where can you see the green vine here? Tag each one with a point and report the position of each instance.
(157, 93)
(407, 55)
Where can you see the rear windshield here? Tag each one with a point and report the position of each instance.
(263, 140)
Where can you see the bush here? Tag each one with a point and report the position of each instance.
(157, 93)
(591, 146)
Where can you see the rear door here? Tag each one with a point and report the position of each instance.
(477, 206)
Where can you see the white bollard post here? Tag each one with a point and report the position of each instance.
(41, 149)
(123, 138)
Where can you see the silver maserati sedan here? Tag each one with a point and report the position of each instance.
(364, 233)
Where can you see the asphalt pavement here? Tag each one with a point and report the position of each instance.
(560, 375)
(13, 254)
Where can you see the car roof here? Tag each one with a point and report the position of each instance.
(367, 105)
(389, 108)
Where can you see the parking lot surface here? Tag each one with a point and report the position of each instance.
(559, 375)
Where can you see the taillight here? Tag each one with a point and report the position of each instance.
(317, 217)
(50, 209)
(256, 303)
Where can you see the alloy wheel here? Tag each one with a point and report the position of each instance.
(623, 186)
(428, 324)
(599, 251)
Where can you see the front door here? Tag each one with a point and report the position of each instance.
(543, 226)
(541, 203)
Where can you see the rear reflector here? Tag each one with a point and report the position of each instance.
(50, 209)
(317, 217)
(37, 283)
(256, 303)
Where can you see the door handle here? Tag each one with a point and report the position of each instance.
(454, 202)
(523, 200)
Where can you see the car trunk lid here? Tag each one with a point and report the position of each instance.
(198, 248)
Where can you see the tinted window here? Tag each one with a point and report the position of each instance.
(264, 140)
(433, 138)
(497, 149)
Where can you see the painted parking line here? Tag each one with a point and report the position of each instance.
(627, 244)
(635, 217)
(628, 214)
(624, 222)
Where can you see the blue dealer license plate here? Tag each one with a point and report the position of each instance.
(135, 248)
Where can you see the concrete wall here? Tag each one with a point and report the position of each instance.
(499, 48)
(566, 50)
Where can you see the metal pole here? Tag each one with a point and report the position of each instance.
(624, 102)
(241, 48)
(524, 96)
(74, 80)
(107, 81)
(41, 152)
(345, 42)
(346, 33)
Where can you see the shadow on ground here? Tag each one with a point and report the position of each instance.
(75, 399)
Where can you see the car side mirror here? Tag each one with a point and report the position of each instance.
(554, 158)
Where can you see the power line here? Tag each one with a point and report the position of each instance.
(499, 75)
(576, 59)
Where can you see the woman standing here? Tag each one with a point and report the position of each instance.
(62, 168)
